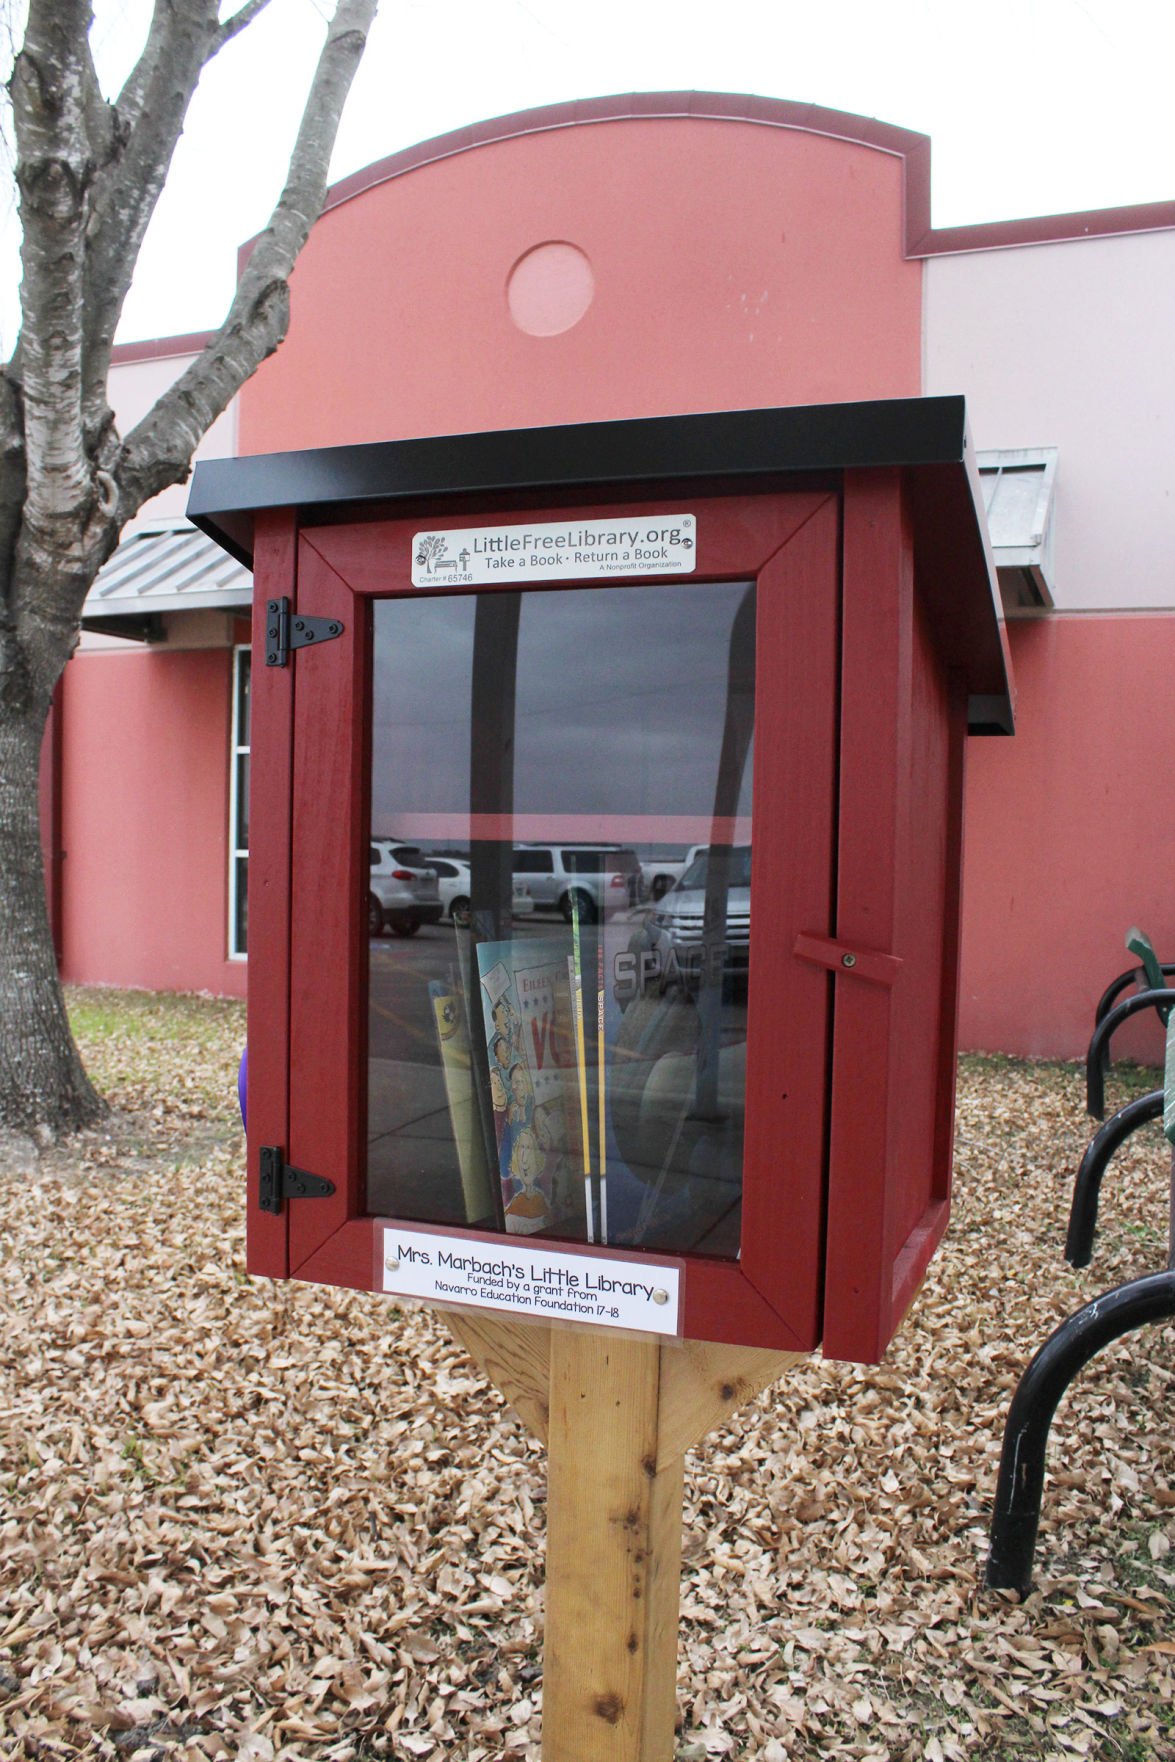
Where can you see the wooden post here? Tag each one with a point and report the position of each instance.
(613, 1556)
(618, 1414)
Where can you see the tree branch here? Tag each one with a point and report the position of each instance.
(13, 671)
(102, 126)
(130, 100)
(50, 87)
(12, 478)
(158, 452)
(233, 26)
(181, 39)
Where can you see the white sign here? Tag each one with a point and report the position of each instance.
(557, 550)
(644, 1295)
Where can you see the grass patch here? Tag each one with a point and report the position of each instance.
(149, 1051)
(98, 1014)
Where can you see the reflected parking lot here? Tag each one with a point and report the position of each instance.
(400, 1009)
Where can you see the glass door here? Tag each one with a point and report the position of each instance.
(553, 1050)
(524, 997)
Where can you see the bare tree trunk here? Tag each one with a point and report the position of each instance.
(43, 1088)
(90, 172)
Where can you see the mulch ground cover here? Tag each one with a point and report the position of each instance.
(263, 1521)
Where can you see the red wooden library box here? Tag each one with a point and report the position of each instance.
(500, 681)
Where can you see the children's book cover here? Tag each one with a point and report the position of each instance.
(534, 1083)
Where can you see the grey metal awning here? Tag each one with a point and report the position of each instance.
(165, 567)
(1018, 487)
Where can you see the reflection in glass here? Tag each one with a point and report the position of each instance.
(244, 702)
(239, 803)
(242, 799)
(241, 906)
(569, 1058)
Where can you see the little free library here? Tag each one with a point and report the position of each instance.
(605, 839)
(642, 1151)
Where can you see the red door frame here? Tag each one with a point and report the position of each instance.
(789, 543)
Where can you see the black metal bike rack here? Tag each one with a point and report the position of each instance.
(1150, 976)
(1098, 1057)
(1087, 1186)
(1026, 1434)
(1107, 1318)
(1132, 976)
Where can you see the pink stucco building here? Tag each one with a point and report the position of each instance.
(658, 255)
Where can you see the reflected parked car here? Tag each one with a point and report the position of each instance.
(677, 926)
(592, 877)
(453, 880)
(402, 891)
(659, 874)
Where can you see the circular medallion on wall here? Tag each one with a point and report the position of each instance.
(550, 288)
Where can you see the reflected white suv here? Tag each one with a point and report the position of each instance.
(679, 925)
(453, 879)
(593, 876)
(402, 892)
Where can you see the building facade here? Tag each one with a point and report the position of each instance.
(658, 255)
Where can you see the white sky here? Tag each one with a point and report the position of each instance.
(1032, 106)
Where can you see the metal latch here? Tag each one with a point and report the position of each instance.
(284, 632)
(839, 957)
(279, 1181)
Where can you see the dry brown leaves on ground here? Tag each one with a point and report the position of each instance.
(258, 1521)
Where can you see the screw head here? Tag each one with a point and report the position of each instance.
(660, 1296)
(848, 960)
(392, 1264)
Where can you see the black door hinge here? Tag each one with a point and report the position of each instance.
(279, 1181)
(284, 632)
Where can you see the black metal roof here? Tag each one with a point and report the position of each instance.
(718, 450)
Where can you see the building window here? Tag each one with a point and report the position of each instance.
(238, 855)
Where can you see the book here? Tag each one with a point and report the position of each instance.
(530, 1036)
(449, 1020)
(575, 980)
